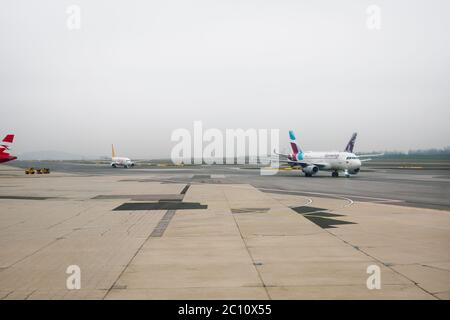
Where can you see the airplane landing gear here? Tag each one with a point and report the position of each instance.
(347, 175)
(335, 174)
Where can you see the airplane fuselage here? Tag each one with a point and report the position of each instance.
(121, 162)
(331, 160)
(6, 158)
(311, 162)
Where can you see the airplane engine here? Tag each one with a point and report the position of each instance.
(310, 170)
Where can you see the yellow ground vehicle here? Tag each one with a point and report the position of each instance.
(37, 170)
(30, 171)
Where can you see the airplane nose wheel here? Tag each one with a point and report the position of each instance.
(335, 174)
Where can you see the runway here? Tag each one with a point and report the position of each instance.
(222, 232)
(427, 188)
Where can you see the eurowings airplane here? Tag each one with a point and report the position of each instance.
(4, 147)
(335, 161)
(120, 161)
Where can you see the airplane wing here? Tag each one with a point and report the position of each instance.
(304, 164)
(370, 155)
(296, 162)
(281, 154)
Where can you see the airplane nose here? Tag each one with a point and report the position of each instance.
(355, 164)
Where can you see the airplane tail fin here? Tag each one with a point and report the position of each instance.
(351, 143)
(113, 152)
(294, 146)
(9, 138)
(5, 147)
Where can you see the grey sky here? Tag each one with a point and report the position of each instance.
(139, 69)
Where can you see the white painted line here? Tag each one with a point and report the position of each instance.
(350, 202)
(332, 194)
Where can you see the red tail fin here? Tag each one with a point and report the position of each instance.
(9, 138)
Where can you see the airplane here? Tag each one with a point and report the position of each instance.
(6, 156)
(335, 161)
(120, 161)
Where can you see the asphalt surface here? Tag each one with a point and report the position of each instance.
(428, 188)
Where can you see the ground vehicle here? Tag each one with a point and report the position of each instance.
(37, 170)
(30, 171)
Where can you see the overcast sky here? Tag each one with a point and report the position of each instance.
(137, 70)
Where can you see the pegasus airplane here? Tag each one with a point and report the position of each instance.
(335, 161)
(4, 147)
(120, 161)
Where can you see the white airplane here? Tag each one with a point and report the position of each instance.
(334, 161)
(120, 161)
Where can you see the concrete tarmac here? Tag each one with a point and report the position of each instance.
(223, 232)
(428, 188)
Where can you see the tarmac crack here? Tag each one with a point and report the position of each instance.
(134, 224)
(115, 284)
(248, 251)
(7, 295)
(50, 243)
(12, 225)
(65, 220)
(350, 203)
(30, 294)
(387, 265)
